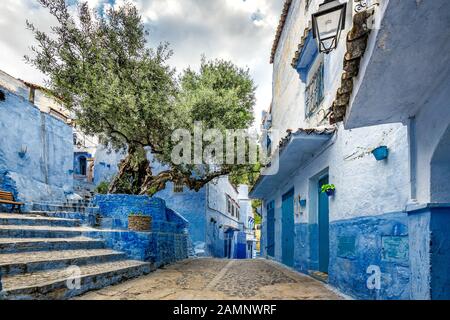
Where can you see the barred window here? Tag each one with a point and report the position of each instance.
(314, 93)
(228, 205)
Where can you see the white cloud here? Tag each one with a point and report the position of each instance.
(239, 30)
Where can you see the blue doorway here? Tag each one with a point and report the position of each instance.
(287, 229)
(324, 227)
(271, 229)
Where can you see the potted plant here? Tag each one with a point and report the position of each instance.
(139, 222)
(329, 189)
(380, 153)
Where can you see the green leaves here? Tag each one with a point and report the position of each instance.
(328, 187)
(127, 94)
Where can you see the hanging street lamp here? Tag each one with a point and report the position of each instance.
(328, 23)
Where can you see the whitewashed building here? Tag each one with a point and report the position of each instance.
(334, 114)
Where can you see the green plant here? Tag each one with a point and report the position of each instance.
(102, 188)
(136, 214)
(328, 187)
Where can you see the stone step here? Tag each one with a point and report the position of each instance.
(81, 216)
(67, 207)
(16, 263)
(16, 245)
(57, 284)
(41, 231)
(36, 220)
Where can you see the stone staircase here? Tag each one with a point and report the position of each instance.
(45, 255)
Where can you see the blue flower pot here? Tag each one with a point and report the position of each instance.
(302, 203)
(330, 192)
(381, 153)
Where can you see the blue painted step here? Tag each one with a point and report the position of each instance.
(52, 284)
(63, 207)
(15, 219)
(17, 263)
(39, 232)
(84, 218)
(16, 245)
(36, 251)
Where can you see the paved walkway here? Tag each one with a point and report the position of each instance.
(200, 279)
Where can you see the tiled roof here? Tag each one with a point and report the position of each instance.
(318, 131)
(284, 14)
(300, 46)
(356, 47)
(310, 131)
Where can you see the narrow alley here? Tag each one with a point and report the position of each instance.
(199, 279)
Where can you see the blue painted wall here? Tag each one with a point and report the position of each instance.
(356, 244)
(192, 206)
(44, 172)
(380, 241)
(430, 251)
(168, 240)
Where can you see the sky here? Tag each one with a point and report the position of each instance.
(238, 30)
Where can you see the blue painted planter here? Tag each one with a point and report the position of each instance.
(381, 153)
(302, 203)
(330, 192)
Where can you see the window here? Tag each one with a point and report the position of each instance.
(228, 205)
(178, 187)
(314, 93)
(232, 207)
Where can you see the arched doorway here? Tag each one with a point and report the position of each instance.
(440, 170)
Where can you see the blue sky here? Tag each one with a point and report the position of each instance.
(239, 30)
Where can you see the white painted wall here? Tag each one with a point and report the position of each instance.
(431, 123)
(365, 187)
(288, 106)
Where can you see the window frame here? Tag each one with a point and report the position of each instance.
(316, 76)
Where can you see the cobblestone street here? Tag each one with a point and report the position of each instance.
(218, 279)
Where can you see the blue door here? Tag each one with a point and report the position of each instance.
(287, 230)
(324, 228)
(271, 229)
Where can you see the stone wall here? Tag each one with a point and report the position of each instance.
(36, 151)
(166, 243)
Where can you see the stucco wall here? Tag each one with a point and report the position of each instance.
(366, 190)
(217, 219)
(44, 172)
(288, 106)
(364, 186)
(431, 124)
(106, 164)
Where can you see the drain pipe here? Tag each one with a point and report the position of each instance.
(412, 158)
